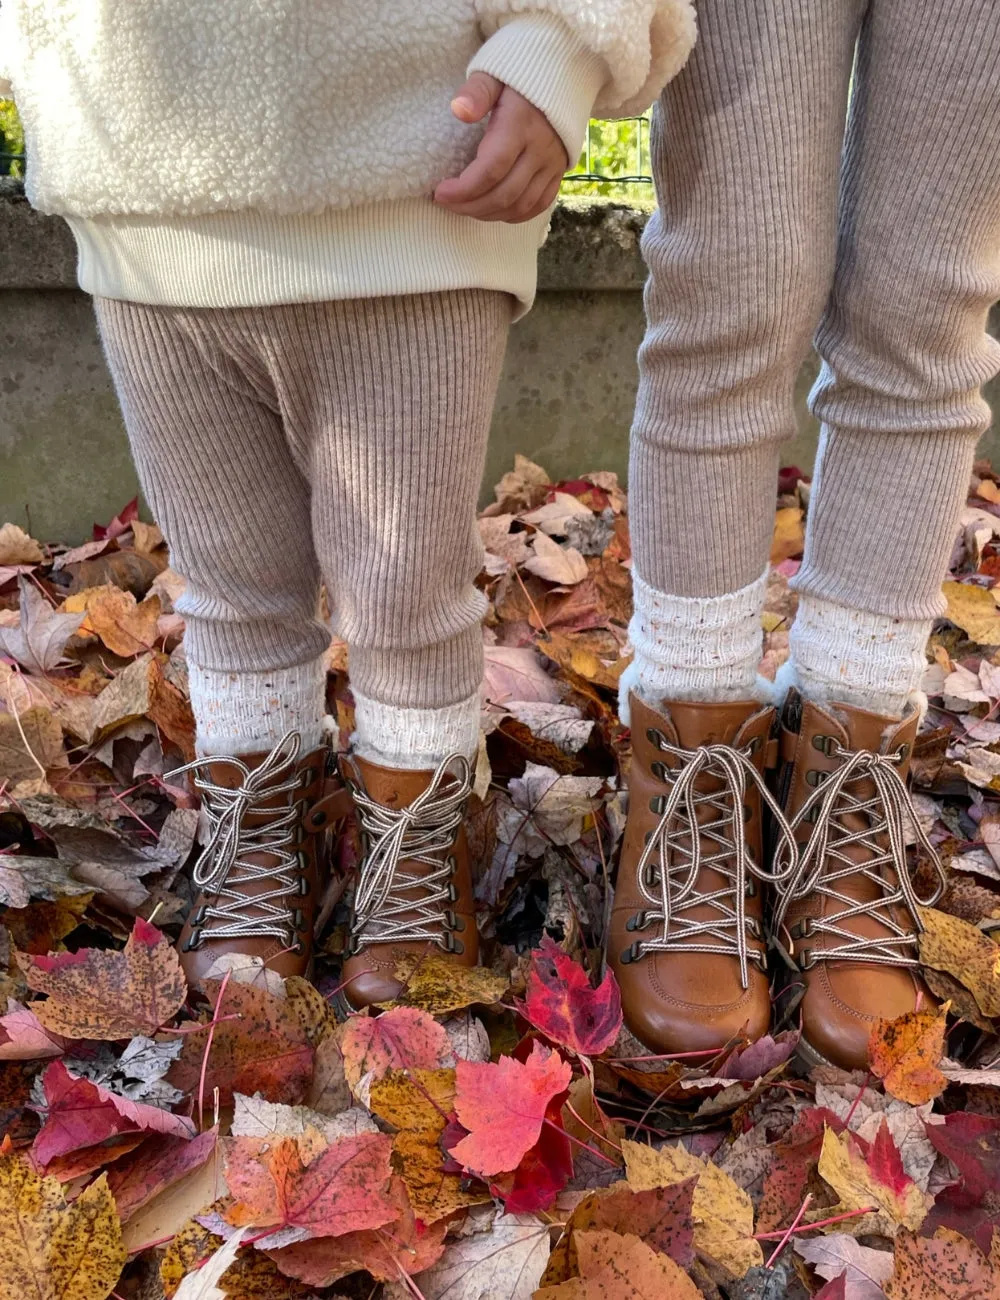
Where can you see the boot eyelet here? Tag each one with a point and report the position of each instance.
(806, 959)
(659, 770)
(656, 737)
(453, 945)
(453, 921)
(636, 922)
(903, 752)
(200, 917)
(650, 875)
(751, 888)
(756, 745)
(802, 929)
(812, 814)
(193, 942)
(303, 887)
(452, 892)
(825, 744)
(451, 862)
(658, 803)
(815, 777)
(298, 920)
(631, 954)
(753, 925)
(318, 819)
(297, 948)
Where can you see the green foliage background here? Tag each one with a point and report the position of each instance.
(616, 149)
(11, 139)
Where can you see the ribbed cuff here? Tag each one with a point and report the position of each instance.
(848, 656)
(692, 647)
(250, 713)
(542, 59)
(415, 739)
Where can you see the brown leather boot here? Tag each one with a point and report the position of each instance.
(260, 873)
(414, 891)
(686, 940)
(847, 919)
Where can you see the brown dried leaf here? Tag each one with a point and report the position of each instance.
(963, 951)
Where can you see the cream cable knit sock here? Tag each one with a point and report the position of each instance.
(848, 656)
(415, 739)
(249, 713)
(694, 648)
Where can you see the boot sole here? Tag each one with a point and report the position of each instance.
(808, 1057)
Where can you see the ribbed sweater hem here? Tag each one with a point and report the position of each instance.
(251, 258)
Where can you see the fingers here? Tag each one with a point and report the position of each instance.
(477, 97)
(520, 164)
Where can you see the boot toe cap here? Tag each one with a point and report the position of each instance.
(843, 1004)
(671, 1023)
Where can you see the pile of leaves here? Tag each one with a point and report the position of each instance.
(492, 1133)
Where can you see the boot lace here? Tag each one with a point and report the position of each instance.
(680, 838)
(825, 861)
(424, 833)
(223, 871)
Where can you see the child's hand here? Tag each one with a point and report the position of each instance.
(520, 164)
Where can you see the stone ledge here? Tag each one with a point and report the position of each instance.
(592, 246)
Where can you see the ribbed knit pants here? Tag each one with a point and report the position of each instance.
(773, 226)
(342, 441)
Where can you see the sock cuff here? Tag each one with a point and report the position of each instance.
(248, 713)
(873, 661)
(415, 739)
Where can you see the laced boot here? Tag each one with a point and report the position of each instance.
(686, 939)
(260, 872)
(414, 891)
(847, 921)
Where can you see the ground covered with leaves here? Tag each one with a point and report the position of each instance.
(494, 1133)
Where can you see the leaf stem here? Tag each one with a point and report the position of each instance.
(794, 1224)
(820, 1223)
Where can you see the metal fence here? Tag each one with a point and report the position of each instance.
(600, 169)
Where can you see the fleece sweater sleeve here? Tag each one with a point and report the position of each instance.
(557, 53)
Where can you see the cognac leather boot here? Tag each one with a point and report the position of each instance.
(260, 874)
(847, 921)
(686, 940)
(414, 891)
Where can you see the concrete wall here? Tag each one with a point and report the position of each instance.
(565, 400)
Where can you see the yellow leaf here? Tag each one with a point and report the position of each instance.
(962, 950)
(147, 537)
(16, 547)
(51, 1250)
(620, 1266)
(416, 1102)
(439, 987)
(789, 534)
(845, 1170)
(974, 610)
(125, 627)
(723, 1212)
(904, 1054)
(30, 743)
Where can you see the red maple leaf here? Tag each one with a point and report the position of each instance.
(835, 1289)
(120, 524)
(343, 1189)
(885, 1161)
(158, 1164)
(79, 1113)
(543, 1172)
(794, 1158)
(503, 1106)
(562, 1004)
(972, 1142)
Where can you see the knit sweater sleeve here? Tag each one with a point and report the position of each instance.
(574, 58)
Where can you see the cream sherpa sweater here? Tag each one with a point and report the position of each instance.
(228, 153)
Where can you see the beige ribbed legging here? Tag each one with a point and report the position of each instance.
(751, 251)
(343, 439)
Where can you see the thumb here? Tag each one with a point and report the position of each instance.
(477, 97)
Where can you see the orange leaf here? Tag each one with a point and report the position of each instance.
(621, 1267)
(943, 1267)
(401, 1039)
(905, 1052)
(789, 535)
(342, 1189)
(109, 995)
(256, 1047)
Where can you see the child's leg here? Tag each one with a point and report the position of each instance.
(397, 440)
(216, 469)
(390, 400)
(746, 151)
(905, 348)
